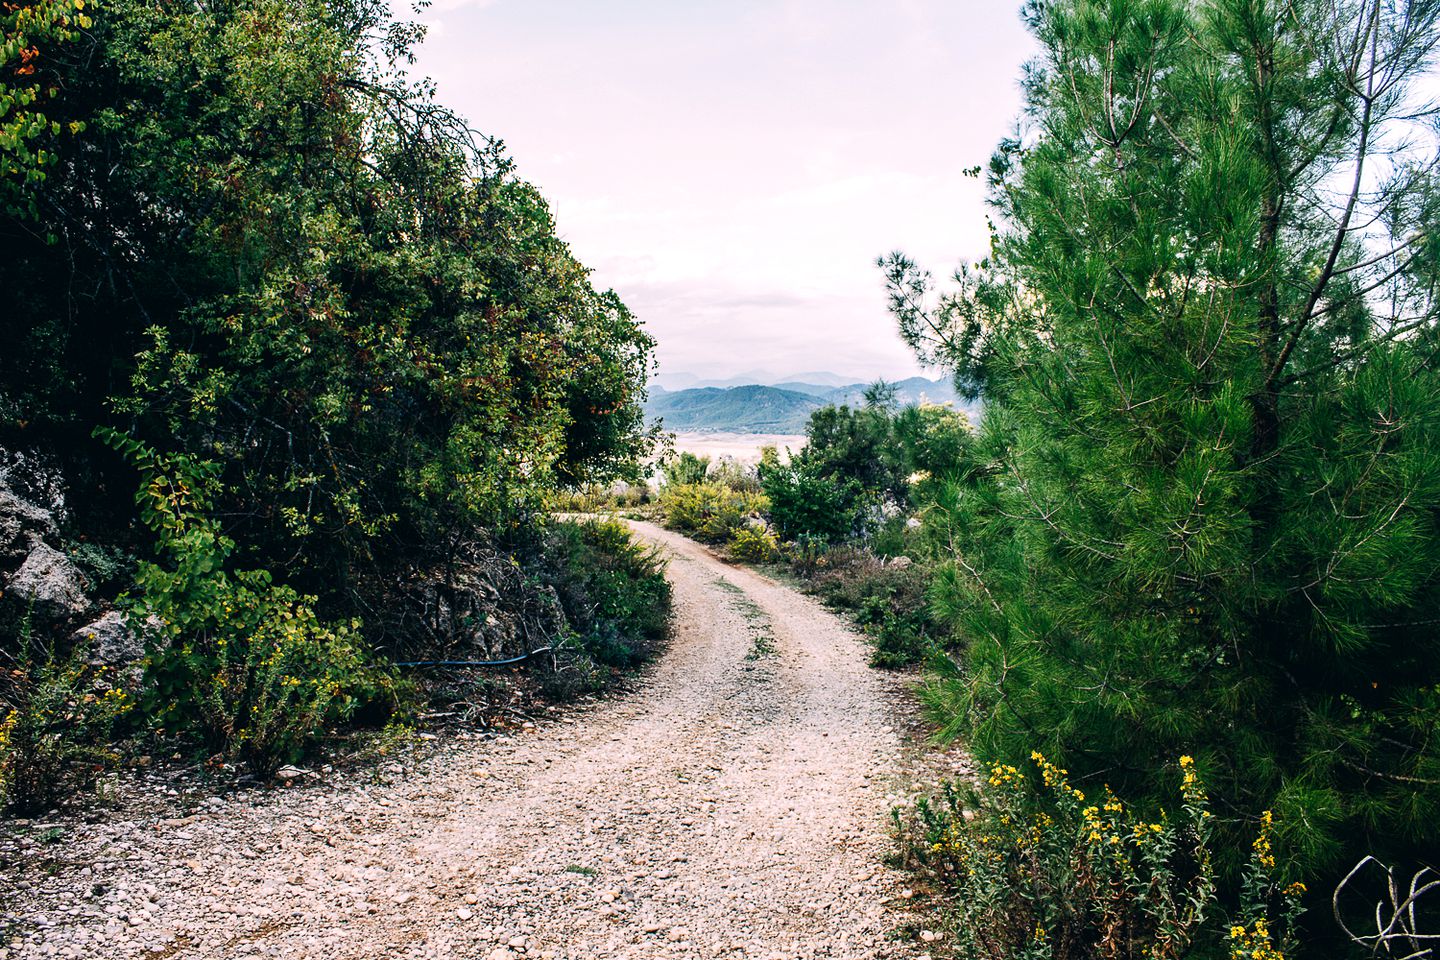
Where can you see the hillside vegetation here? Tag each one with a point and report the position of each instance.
(782, 408)
(293, 364)
(747, 409)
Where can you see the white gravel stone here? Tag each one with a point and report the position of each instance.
(710, 811)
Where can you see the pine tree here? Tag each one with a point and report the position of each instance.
(1206, 519)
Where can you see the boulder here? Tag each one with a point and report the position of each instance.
(110, 641)
(22, 525)
(51, 583)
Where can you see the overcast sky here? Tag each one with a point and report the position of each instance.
(732, 168)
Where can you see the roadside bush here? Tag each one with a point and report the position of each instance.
(710, 512)
(895, 538)
(243, 662)
(684, 468)
(54, 722)
(254, 670)
(613, 591)
(732, 473)
(753, 544)
(888, 600)
(594, 498)
(804, 503)
(1039, 871)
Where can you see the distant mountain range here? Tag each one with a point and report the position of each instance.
(675, 382)
(782, 408)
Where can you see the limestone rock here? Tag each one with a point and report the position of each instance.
(22, 525)
(52, 583)
(111, 640)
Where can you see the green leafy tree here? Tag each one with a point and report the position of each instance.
(857, 460)
(1203, 516)
(278, 253)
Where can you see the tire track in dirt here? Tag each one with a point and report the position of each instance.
(732, 805)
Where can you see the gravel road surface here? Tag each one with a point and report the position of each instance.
(733, 804)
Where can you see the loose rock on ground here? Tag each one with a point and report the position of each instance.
(732, 805)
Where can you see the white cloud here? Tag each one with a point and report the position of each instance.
(734, 169)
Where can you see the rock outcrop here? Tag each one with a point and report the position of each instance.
(49, 582)
(22, 526)
(111, 640)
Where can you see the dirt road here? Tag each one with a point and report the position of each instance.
(733, 805)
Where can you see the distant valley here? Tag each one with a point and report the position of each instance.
(783, 407)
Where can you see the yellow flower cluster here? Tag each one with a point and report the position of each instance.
(1144, 831)
(1055, 776)
(952, 842)
(1190, 786)
(117, 701)
(1264, 854)
(1253, 942)
(1004, 775)
(6, 726)
(1093, 824)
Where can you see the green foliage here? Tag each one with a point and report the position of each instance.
(241, 661)
(887, 600)
(1037, 870)
(805, 504)
(107, 568)
(855, 444)
(29, 32)
(753, 544)
(710, 512)
(736, 474)
(302, 268)
(858, 464)
(613, 591)
(684, 468)
(1203, 514)
(55, 719)
(595, 498)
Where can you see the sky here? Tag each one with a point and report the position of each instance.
(732, 168)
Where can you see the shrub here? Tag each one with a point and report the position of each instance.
(753, 544)
(887, 600)
(894, 537)
(684, 469)
(709, 512)
(613, 591)
(596, 498)
(732, 473)
(253, 669)
(1039, 871)
(54, 720)
(245, 663)
(804, 503)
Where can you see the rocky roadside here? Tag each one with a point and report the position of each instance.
(734, 804)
